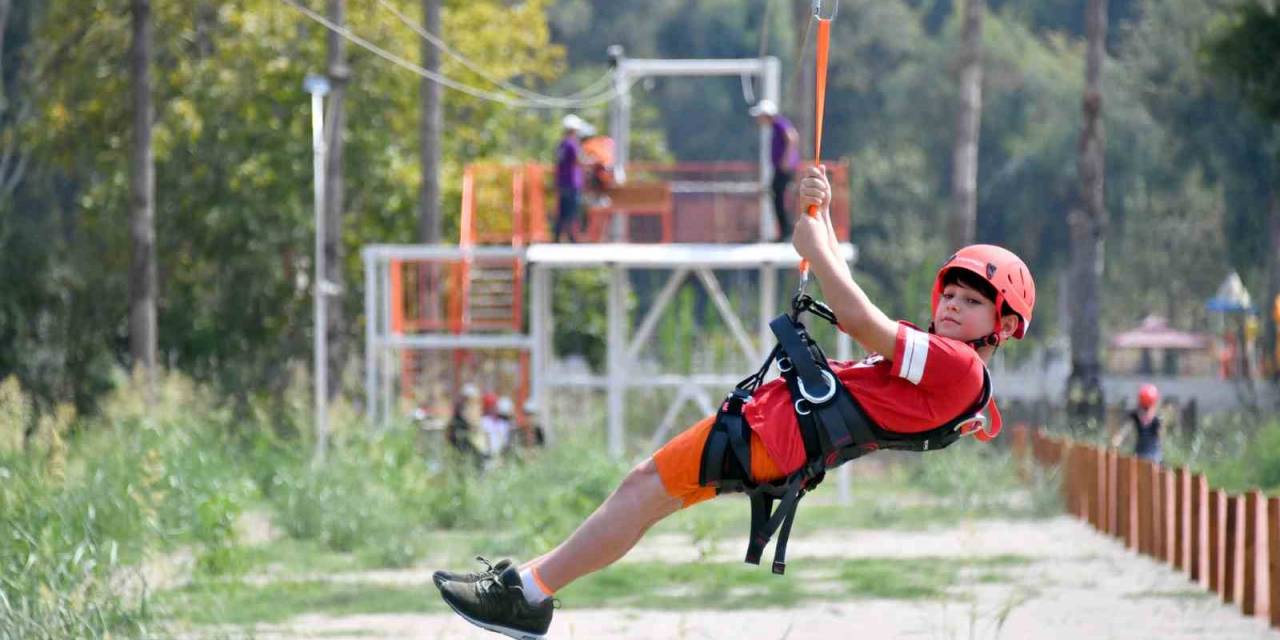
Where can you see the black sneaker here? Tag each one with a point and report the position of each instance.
(441, 576)
(496, 602)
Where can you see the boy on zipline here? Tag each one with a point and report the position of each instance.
(919, 390)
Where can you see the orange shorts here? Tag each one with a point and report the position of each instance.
(678, 462)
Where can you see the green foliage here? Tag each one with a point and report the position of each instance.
(142, 477)
(1236, 452)
(233, 176)
(1246, 47)
(542, 499)
(368, 497)
(580, 298)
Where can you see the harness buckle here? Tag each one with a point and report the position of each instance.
(799, 411)
(972, 426)
(830, 393)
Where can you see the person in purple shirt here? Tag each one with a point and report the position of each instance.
(569, 177)
(784, 153)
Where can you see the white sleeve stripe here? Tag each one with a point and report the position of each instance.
(914, 354)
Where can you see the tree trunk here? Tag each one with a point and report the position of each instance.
(4, 26)
(339, 73)
(1271, 305)
(429, 130)
(802, 87)
(1088, 226)
(142, 187)
(964, 156)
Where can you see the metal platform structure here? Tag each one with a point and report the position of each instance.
(629, 70)
(389, 341)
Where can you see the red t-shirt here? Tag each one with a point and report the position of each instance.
(929, 381)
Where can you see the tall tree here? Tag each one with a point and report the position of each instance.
(335, 127)
(429, 130)
(1247, 51)
(1088, 225)
(142, 188)
(964, 155)
(801, 87)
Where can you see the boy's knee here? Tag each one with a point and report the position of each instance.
(645, 471)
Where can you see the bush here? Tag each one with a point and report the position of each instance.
(80, 515)
(1235, 452)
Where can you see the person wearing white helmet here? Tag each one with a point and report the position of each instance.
(569, 176)
(497, 426)
(458, 429)
(784, 153)
(536, 436)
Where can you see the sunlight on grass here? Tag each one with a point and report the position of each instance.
(242, 604)
(651, 585)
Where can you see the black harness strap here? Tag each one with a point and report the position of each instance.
(833, 427)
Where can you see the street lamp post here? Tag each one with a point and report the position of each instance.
(318, 86)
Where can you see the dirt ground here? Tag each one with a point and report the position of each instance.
(1080, 584)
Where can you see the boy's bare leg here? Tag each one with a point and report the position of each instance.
(609, 533)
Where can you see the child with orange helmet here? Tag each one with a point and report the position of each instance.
(1146, 425)
(920, 390)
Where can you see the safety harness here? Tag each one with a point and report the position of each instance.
(834, 428)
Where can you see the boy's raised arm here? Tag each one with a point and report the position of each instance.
(815, 241)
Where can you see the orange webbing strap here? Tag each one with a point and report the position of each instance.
(982, 429)
(820, 76)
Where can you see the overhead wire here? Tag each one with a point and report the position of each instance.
(440, 44)
(450, 83)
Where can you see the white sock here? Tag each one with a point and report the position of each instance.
(533, 591)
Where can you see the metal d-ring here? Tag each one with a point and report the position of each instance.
(797, 407)
(979, 420)
(817, 10)
(831, 389)
(784, 364)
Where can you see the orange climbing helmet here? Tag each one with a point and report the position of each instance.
(1148, 396)
(1006, 273)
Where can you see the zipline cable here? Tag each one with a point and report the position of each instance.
(482, 94)
(437, 42)
(820, 85)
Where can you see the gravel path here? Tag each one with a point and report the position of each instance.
(1080, 584)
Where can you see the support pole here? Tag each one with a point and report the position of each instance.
(318, 87)
(617, 346)
(370, 340)
(540, 328)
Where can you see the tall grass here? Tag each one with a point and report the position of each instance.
(1236, 451)
(87, 501)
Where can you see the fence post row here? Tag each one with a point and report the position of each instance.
(1228, 544)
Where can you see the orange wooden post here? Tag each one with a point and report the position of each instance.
(1063, 454)
(1079, 493)
(1199, 516)
(1104, 488)
(1124, 499)
(1215, 541)
(1158, 511)
(1168, 504)
(1144, 506)
(1021, 463)
(1249, 595)
(1180, 519)
(1109, 500)
(1273, 557)
(1090, 484)
(1231, 551)
(1079, 469)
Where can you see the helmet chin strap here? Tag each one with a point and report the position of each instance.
(990, 340)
